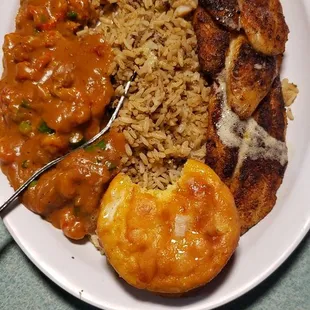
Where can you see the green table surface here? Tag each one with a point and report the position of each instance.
(23, 286)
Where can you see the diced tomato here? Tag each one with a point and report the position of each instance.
(48, 26)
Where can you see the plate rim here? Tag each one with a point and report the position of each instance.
(234, 295)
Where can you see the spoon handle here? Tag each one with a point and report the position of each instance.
(86, 144)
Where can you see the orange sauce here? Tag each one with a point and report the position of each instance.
(53, 96)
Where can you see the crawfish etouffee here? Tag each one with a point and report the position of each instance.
(53, 96)
(169, 241)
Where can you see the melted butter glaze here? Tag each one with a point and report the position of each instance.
(252, 140)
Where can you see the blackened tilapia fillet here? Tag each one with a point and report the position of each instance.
(254, 182)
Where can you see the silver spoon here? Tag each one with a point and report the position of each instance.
(83, 146)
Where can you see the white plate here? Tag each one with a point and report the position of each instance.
(261, 250)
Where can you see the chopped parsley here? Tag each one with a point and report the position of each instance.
(43, 128)
(72, 15)
(100, 145)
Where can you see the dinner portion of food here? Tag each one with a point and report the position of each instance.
(198, 151)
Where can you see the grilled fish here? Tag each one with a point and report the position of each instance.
(262, 20)
(250, 156)
(226, 12)
(264, 24)
(249, 76)
(212, 42)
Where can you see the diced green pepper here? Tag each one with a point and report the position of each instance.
(25, 127)
(43, 128)
(90, 148)
(25, 164)
(43, 19)
(33, 184)
(72, 15)
(25, 104)
(111, 166)
(101, 145)
(76, 211)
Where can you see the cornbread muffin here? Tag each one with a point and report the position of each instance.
(169, 241)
